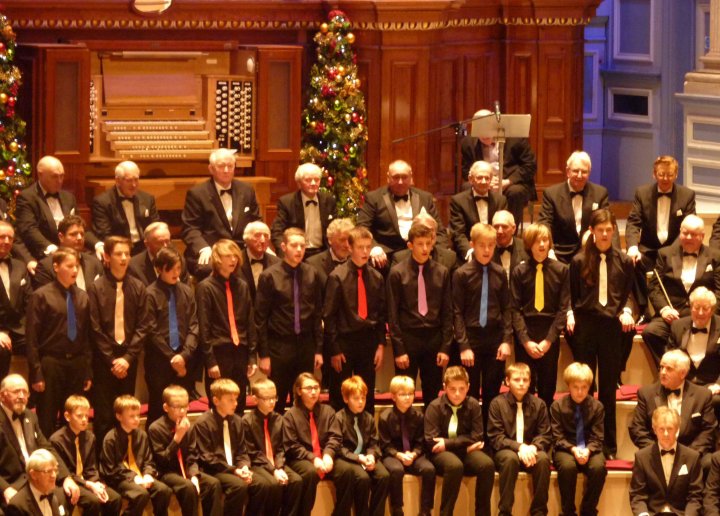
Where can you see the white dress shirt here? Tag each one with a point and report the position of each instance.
(663, 218)
(226, 200)
(403, 210)
(313, 227)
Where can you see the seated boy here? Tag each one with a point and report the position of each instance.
(519, 433)
(175, 453)
(223, 451)
(576, 421)
(126, 461)
(401, 441)
(453, 433)
(263, 430)
(360, 449)
(75, 445)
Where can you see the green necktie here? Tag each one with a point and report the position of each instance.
(453, 425)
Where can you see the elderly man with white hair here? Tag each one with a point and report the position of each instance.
(157, 236)
(256, 257)
(124, 210)
(680, 268)
(218, 208)
(37, 496)
(308, 208)
(509, 251)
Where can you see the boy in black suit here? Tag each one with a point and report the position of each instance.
(400, 433)
(667, 476)
(75, 444)
(519, 433)
(483, 320)
(361, 451)
(126, 462)
(577, 422)
(176, 455)
(354, 316)
(454, 437)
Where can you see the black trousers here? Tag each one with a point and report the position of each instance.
(138, 497)
(233, 362)
(508, 466)
(63, 377)
(282, 500)
(341, 476)
(452, 467)
(290, 355)
(422, 347)
(543, 371)
(567, 471)
(158, 375)
(92, 506)
(359, 350)
(517, 197)
(598, 342)
(187, 496)
(656, 335)
(107, 387)
(420, 467)
(370, 488)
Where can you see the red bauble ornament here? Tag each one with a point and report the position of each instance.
(332, 74)
(2, 46)
(11, 101)
(355, 117)
(330, 180)
(319, 127)
(16, 193)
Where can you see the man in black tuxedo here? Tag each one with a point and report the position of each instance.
(71, 233)
(388, 212)
(20, 436)
(509, 250)
(693, 403)
(699, 336)
(124, 210)
(157, 236)
(256, 257)
(308, 209)
(682, 267)
(441, 255)
(567, 206)
(219, 208)
(519, 166)
(338, 250)
(13, 299)
(40, 208)
(667, 476)
(19, 250)
(478, 204)
(37, 497)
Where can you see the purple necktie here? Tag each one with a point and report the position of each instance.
(403, 431)
(422, 296)
(296, 300)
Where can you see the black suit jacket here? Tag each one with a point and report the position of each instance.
(12, 311)
(35, 224)
(519, 164)
(715, 236)
(557, 213)
(324, 264)
(142, 268)
(108, 215)
(24, 504)
(18, 250)
(669, 267)
(291, 214)
(44, 273)
(204, 221)
(517, 253)
(379, 216)
(464, 215)
(641, 229)
(709, 369)
(697, 418)
(246, 269)
(650, 493)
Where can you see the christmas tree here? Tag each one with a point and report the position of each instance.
(334, 126)
(15, 171)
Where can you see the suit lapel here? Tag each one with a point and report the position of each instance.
(236, 198)
(414, 202)
(214, 199)
(676, 261)
(685, 340)
(472, 210)
(656, 461)
(586, 207)
(390, 205)
(685, 409)
(652, 210)
(565, 207)
(47, 213)
(300, 209)
(12, 437)
(17, 273)
(713, 336)
(702, 262)
(118, 204)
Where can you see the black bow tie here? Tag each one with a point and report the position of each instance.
(16, 416)
(224, 192)
(667, 452)
(502, 250)
(398, 198)
(477, 198)
(338, 262)
(690, 254)
(668, 392)
(56, 195)
(698, 330)
(128, 199)
(311, 201)
(665, 194)
(47, 497)
(253, 261)
(5, 260)
(573, 194)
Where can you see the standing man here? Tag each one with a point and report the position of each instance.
(219, 208)
(509, 251)
(519, 166)
(157, 236)
(308, 209)
(13, 299)
(389, 210)
(124, 210)
(255, 256)
(338, 251)
(41, 207)
(567, 206)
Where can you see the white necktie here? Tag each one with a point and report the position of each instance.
(602, 281)
(119, 314)
(520, 423)
(226, 442)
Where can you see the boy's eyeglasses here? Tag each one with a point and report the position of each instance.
(311, 388)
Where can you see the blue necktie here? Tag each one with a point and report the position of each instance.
(359, 447)
(172, 320)
(71, 321)
(579, 428)
(484, 298)
(296, 301)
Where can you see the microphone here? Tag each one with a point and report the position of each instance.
(497, 111)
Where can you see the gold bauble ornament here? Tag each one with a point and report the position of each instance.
(13, 146)
(351, 38)
(2, 175)
(324, 28)
(3, 98)
(313, 124)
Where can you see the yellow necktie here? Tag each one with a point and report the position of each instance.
(131, 458)
(453, 425)
(539, 288)
(78, 458)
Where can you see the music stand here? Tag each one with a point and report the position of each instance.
(506, 126)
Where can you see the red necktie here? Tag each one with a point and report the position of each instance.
(362, 297)
(315, 442)
(268, 444)
(231, 315)
(180, 459)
